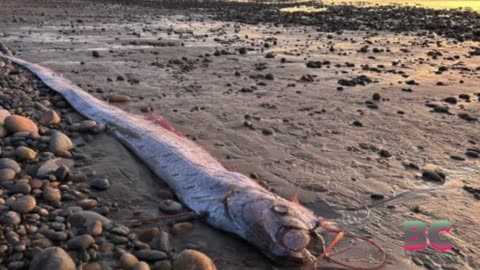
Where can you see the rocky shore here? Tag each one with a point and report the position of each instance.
(52, 212)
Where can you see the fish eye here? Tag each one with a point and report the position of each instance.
(280, 209)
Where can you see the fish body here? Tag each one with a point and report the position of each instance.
(230, 201)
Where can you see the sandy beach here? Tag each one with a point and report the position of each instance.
(370, 127)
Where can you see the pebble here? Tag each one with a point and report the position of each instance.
(128, 261)
(150, 255)
(53, 258)
(3, 131)
(3, 115)
(7, 163)
(51, 166)
(17, 123)
(51, 194)
(433, 176)
(49, 117)
(119, 98)
(192, 259)
(7, 174)
(161, 242)
(86, 222)
(25, 153)
(81, 242)
(141, 266)
(100, 184)
(170, 206)
(24, 204)
(60, 142)
(88, 204)
(10, 218)
(182, 228)
(20, 187)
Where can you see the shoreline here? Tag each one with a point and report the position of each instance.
(340, 118)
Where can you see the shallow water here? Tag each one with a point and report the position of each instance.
(435, 4)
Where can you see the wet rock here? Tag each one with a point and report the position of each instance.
(170, 206)
(17, 123)
(3, 131)
(432, 176)
(182, 228)
(128, 261)
(10, 218)
(141, 266)
(161, 242)
(24, 204)
(25, 153)
(51, 194)
(51, 166)
(467, 117)
(49, 118)
(150, 255)
(267, 131)
(119, 98)
(192, 259)
(100, 184)
(53, 258)
(81, 242)
(88, 203)
(384, 153)
(60, 142)
(3, 115)
(86, 222)
(451, 100)
(6, 163)
(7, 174)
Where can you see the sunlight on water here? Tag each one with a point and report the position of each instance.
(435, 4)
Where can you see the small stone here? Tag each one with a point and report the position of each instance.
(472, 154)
(267, 131)
(95, 54)
(51, 166)
(161, 242)
(100, 184)
(3, 131)
(60, 142)
(20, 187)
(24, 204)
(119, 98)
(147, 235)
(81, 242)
(10, 218)
(433, 176)
(49, 118)
(376, 97)
(376, 196)
(88, 204)
(141, 266)
(3, 115)
(53, 258)
(88, 222)
(6, 163)
(182, 228)
(25, 153)
(128, 261)
(7, 174)
(162, 265)
(384, 153)
(192, 259)
(17, 123)
(51, 194)
(150, 255)
(170, 206)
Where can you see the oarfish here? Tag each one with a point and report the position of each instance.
(229, 201)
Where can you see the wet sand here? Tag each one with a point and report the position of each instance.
(278, 103)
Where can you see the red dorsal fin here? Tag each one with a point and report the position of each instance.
(294, 198)
(163, 123)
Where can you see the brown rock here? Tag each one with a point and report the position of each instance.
(17, 123)
(25, 153)
(49, 118)
(192, 259)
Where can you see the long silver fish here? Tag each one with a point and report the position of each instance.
(232, 202)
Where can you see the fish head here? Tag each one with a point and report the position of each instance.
(283, 230)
